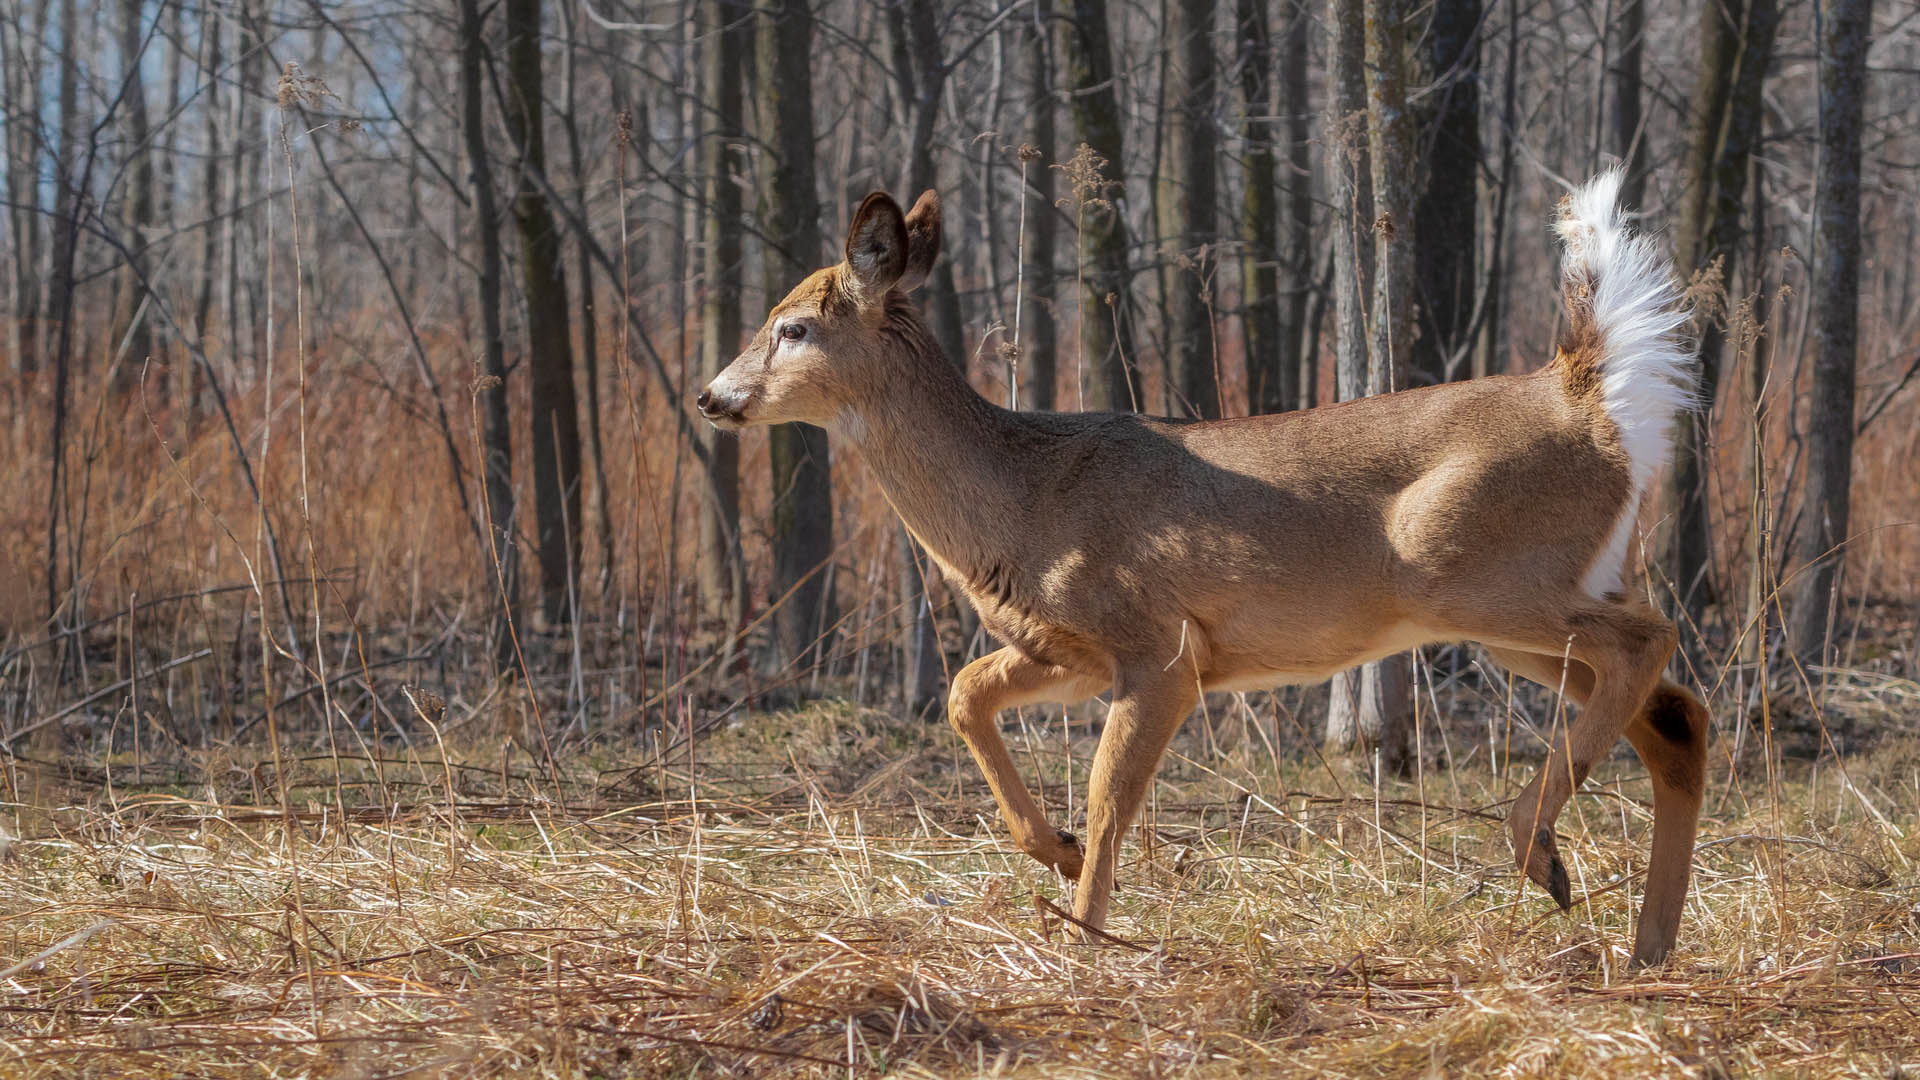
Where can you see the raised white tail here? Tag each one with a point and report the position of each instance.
(1623, 313)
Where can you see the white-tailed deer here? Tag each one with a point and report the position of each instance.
(1162, 558)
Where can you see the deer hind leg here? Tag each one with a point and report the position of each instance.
(1670, 735)
(1006, 679)
(1620, 650)
(1149, 705)
(1668, 730)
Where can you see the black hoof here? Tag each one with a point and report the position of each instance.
(1558, 885)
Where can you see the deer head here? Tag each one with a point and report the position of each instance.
(823, 346)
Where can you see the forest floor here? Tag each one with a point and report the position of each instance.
(825, 890)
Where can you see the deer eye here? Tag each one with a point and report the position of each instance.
(793, 331)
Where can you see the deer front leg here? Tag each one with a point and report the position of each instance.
(1003, 680)
(1149, 705)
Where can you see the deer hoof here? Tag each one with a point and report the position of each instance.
(1543, 866)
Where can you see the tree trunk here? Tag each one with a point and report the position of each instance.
(1350, 190)
(730, 40)
(60, 317)
(130, 324)
(1629, 142)
(1296, 327)
(490, 389)
(802, 512)
(922, 76)
(928, 80)
(210, 193)
(1445, 219)
(1822, 526)
(243, 323)
(1372, 706)
(1189, 218)
(1038, 334)
(554, 408)
(60, 284)
(1489, 351)
(1107, 358)
(1271, 369)
(1736, 43)
(589, 315)
(25, 153)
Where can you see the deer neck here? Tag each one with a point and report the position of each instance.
(945, 457)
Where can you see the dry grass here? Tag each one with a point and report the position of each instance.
(825, 892)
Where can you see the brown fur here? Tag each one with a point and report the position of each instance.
(1163, 558)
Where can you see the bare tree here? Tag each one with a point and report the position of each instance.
(729, 29)
(1106, 335)
(1816, 547)
(490, 388)
(1736, 45)
(1271, 369)
(589, 311)
(923, 76)
(802, 516)
(1038, 330)
(1445, 226)
(1350, 190)
(22, 49)
(555, 412)
(130, 323)
(1373, 706)
(1629, 137)
(1297, 110)
(1188, 196)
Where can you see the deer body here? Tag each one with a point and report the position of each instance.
(1261, 551)
(1163, 558)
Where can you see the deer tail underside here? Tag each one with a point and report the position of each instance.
(1622, 340)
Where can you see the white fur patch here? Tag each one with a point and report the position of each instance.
(1648, 375)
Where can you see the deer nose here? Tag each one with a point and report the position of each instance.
(705, 399)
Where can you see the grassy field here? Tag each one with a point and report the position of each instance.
(825, 891)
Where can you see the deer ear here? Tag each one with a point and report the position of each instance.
(923, 241)
(876, 248)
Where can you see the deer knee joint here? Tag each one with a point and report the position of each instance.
(963, 702)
